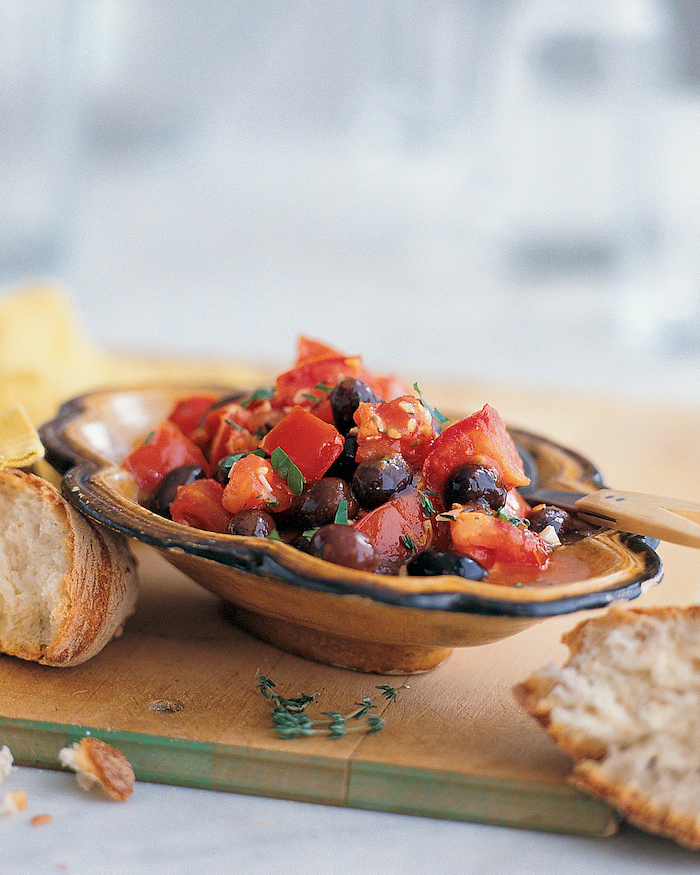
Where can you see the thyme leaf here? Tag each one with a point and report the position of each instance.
(426, 504)
(408, 543)
(502, 514)
(323, 389)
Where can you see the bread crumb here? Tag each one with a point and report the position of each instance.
(6, 761)
(98, 764)
(13, 800)
(41, 819)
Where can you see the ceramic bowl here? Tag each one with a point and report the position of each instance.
(310, 607)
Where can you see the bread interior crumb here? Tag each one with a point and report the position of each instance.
(635, 690)
(32, 564)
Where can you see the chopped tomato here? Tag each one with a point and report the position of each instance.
(481, 437)
(198, 504)
(189, 412)
(232, 428)
(165, 449)
(399, 527)
(254, 483)
(403, 425)
(312, 444)
(308, 383)
(308, 348)
(233, 433)
(496, 543)
(229, 440)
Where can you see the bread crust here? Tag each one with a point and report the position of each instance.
(98, 592)
(97, 763)
(539, 696)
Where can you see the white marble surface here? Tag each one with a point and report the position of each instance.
(167, 830)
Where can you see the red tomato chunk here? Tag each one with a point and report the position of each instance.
(199, 504)
(254, 483)
(164, 450)
(312, 444)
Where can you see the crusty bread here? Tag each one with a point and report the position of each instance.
(98, 764)
(66, 586)
(626, 707)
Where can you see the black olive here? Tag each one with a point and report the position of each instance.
(222, 470)
(475, 484)
(431, 562)
(251, 523)
(345, 465)
(318, 504)
(377, 480)
(346, 398)
(165, 492)
(547, 515)
(344, 545)
(298, 540)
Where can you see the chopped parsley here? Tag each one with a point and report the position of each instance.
(287, 470)
(434, 412)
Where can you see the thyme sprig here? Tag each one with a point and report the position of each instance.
(324, 390)
(427, 506)
(290, 721)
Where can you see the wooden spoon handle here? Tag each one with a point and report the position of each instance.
(668, 519)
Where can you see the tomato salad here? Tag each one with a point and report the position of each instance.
(354, 468)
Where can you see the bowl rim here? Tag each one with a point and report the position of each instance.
(91, 484)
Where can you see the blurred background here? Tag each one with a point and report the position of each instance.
(506, 190)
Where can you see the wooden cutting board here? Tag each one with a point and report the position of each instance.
(178, 694)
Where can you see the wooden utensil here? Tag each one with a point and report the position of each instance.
(668, 519)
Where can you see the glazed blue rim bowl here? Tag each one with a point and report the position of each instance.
(91, 435)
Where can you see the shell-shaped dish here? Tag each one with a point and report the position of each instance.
(305, 605)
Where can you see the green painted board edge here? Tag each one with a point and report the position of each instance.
(176, 761)
(479, 799)
(321, 780)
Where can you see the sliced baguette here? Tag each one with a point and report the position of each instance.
(626, 707)
(66, 586)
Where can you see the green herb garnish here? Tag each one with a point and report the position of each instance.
(408, 543)
(290, 721)
(425, 502)
(287, 470)
(341, 514)
(434, 412)
(502, 514)
(261, 394)
(323, 389)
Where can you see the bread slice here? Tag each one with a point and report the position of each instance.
(626, 708)
(66, 586)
